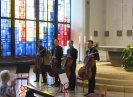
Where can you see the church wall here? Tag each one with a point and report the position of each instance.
(119, 17)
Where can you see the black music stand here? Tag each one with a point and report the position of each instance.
(46, 68)
(62, 86)
(22, 68)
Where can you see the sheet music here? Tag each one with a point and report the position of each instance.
(63, 78)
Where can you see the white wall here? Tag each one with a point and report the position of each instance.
(97, 20)
(77, 24)
(119, 16)
(87, 16)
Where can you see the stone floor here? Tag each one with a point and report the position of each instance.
(78, 92)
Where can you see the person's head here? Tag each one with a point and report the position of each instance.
(90, 43)
(56, 42)
(5, 76)
(70, 43)
(39, 42)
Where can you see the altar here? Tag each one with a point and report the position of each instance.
(114, 53)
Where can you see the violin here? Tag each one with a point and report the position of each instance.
(38, 62)
(85, 72)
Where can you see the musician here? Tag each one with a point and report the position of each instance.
(7, 90)
(41, 53)
(72, 53)
(57, 52)
(91, 81)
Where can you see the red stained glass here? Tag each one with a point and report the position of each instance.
(63, 35)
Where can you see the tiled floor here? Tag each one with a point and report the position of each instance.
(53, 90)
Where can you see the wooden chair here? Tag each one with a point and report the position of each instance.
(83, 82)
(101, 89)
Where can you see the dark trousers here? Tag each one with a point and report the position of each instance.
(57, 81)
(91, 81)
(72, 78)
(43, 76)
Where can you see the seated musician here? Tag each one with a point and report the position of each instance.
(41, 53)
(91, 81)
(72, 54)
(5, 89)
(57, 53)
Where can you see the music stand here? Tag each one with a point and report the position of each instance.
(60, 72)
(46, 68)
(21, 68)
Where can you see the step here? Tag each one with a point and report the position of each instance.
(116, 88)
(114, 81)
(115, 76)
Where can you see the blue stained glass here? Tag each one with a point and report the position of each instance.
(48, 35)
(42, 10)
(30, 48)
(51, 16)
(5, 37)
(20, 48)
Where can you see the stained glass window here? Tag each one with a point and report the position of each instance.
(63, 33)
(29, 22)
(20, 9)
(20, 37)
(30, 38)
(51, 7)
(6, 37)
(64, 11)
(5, 8)
(5, 28)
(46, 34)
(43, 10)
(30, 9)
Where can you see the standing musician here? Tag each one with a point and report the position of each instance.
(72, 53)
(57, 52)
(41, 53)
(91, 81)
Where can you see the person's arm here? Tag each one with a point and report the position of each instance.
(11, 90)
(96, 55)
(14, 90)
(42, 52)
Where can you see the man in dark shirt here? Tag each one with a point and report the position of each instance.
(41, 53)
(95, 54)
(57, 53)
(72, 54)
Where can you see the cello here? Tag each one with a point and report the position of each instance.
(53, 63)
(38, 62)
(66, 64)
(85, 72)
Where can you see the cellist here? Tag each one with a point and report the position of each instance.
(41, 54)
(57, 53)
(72, 54)
(95, 54)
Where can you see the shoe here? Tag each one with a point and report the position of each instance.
(57, 85)
(71, 89)
(36, 81)
(44, 82)
(86, 94)
(54, 84)
(67, 89)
